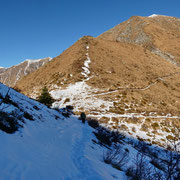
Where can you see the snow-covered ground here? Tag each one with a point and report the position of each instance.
(53, 150)
(54, 147)
(79, 95)
(51, 147)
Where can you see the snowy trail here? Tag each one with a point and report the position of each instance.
(86, 70)
(130, 115)
(60, 149)
(80, 158)
(139, 88)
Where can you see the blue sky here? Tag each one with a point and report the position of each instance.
(32, 29)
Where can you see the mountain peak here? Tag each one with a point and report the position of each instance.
(156, 15)
(156, 32)
(11, 75)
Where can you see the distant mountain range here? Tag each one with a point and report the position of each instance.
(10, 76)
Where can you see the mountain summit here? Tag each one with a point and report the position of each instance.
(159, 34)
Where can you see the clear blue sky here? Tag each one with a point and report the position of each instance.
(32, 29)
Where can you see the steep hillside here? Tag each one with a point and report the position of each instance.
(159, 34)
(47, 145)
(127, 78)
(10, 76)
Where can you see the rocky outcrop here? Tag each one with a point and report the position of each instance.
(157, 33)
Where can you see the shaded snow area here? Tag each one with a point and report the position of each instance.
(48, 146)
(52, 150)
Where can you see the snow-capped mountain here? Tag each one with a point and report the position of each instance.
(11, 75)
(2, 70)
(41, 143)
(127, 78)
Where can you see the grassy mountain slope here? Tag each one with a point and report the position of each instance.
(127, 78)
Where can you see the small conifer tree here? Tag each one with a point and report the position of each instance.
(45, 97)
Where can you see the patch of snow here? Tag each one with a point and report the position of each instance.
(36, 60)
(31, 61)
(155, 15)
(18, 76)
(86, 71)
(79, 95)
(49, 147)
(59, 148)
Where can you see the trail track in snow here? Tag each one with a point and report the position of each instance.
(80, 157)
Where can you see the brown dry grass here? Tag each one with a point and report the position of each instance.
(122, 66)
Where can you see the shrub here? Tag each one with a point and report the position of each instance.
(169, 137)
(106, 137)
(157, 163)
(69, 107)
(65, 112)
(93, 123)
(35, 107)
(139, 170)
(103, 137)
(134, 129)
(9, 122)
(155, 125)
(123, 127)
(66, 100)
(28, 116)
(116, 157)
(144, 127)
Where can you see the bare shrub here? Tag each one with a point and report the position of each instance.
(9, 121)
(140, 169)
(106, 137)
(93, 123)
(172, 159)
(116, 157)
(103, 137)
